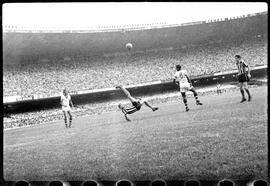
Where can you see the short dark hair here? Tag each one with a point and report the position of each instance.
(178, 66)
(238, 56)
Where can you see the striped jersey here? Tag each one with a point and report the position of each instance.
(242, 67)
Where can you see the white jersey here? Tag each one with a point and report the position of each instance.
(181, 77)
(65, 100)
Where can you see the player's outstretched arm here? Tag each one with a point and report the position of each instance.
(175, 82)
(248, 71)
(61, 101)
(188, 79)
(71, 103)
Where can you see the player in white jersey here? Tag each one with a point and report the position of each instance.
(181, 78)
(66, 102)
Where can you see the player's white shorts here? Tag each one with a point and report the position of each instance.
(66, 108)
(185, 87)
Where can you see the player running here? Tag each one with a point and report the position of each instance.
(243, 77)
(136, 102)
(181, 78)
(218, 88)
(66, 102)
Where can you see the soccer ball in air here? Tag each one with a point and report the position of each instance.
(129, 46)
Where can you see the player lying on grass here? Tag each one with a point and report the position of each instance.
(136, 102)
(181, 78)
(66, 102)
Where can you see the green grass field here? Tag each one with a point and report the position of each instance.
(221, 139)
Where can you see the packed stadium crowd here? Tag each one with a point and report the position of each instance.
(48, 78)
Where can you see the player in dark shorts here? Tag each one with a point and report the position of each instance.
(136, 104)
(243, 77)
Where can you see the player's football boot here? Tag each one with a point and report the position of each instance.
(243, 100)
(69, 125)
(155, 108)
(198, 103)
(66, 125)
(249, 98)
(118, 87)
(187, 109)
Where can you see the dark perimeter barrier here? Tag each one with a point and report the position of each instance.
(104, 95)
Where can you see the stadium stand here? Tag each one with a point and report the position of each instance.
(42, 64)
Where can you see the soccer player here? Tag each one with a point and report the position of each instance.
(243, 77)
(218, 88)
(136, 104)
(66, 102)
(182, 79)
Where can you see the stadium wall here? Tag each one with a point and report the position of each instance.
(19, 46)
(97, 96)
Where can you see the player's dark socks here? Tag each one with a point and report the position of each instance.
(65, 120)
(243, 100)
(243, 93)
(154, 109)
(194, 93)
(248, 93)
(185, 102)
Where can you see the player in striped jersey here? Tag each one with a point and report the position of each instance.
(66, 102)
(243, 77)
(183, 81)
(136, 104)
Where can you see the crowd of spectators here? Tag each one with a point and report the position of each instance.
(51, 115)
(49, 77)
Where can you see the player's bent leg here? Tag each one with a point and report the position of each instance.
(245, 87)
(195, 96)
(148, 105)
(242, 92)
(127, 93)
(127, 111)
(131, 110)
(185, 100)
(70, 118)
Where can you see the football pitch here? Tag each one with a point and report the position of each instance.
(221, 139)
